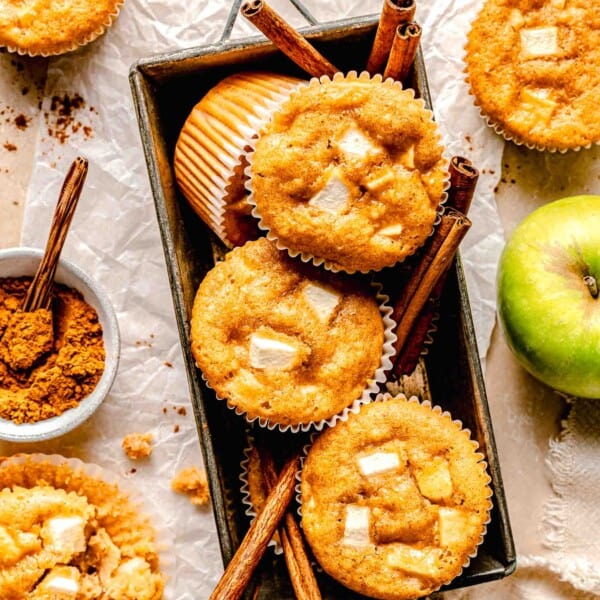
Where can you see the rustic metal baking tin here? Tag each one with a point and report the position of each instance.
(165, 88)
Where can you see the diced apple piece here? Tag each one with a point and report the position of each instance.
(60, 583)
(515, 18)
(323, 300)
(453, 523)
(378, 462)
(392, 231)
(539, 41)
(269, 353)
(334, 196)
(356, 526)
(355, 144)
(434, 480)
(418, 561)
(538, 101)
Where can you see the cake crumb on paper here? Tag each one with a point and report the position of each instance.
(192, 482)
(137, 445)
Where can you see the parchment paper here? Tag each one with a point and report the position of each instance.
(114, 235)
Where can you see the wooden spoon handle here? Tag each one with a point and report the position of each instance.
(39, 292)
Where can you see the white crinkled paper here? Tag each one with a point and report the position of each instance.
(115, 237)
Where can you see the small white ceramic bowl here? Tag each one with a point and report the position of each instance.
(22, 262)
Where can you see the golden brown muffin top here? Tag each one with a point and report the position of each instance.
(350, 171)
(65, 534)
(394, 500)
(49, 27)
(534, 70)
(283, 341)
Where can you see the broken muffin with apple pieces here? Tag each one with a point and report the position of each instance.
(67, 532)
(534, 71)
(284, 342)
(349, 173)
(395, 499)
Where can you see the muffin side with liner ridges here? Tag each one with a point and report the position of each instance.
(534, 71)
(47, 28)
(286, 344)
(68, 529)
(208, 159)
(395, 500)
(349, 173)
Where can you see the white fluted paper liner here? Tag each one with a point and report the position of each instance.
(373, 385)
(76, 43)
(163, 539)
(321, 261)
(208, 154)
(247, 500)
(480, 460)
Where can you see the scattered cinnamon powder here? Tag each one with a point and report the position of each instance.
(192, 482)
(49, 360)
(64, 117)
(10, 147)
(137, 445)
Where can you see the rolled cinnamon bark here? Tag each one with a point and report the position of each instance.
(403, 51)
(239, 571)
(287, 39)
(393, 13)
(463, 180)
(435, 261)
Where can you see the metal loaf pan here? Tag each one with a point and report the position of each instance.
(165, 88)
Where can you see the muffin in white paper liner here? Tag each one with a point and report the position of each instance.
(208, 160)
(71, 474)
(248, 464)
(519, 96)
(353, 536)
(78, 22)
(309, 234)
(372, 387)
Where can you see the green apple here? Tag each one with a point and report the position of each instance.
(548, 302)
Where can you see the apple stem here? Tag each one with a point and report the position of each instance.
(592, 285)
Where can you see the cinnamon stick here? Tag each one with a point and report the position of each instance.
(287, 39)
(39, 292)
(302, 576)
(403, 51)
(436, 260)
(239, 571)
(393, 13)
(463, 180)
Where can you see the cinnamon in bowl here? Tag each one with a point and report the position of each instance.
(56, 364)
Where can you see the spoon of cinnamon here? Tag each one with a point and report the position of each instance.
(39, 293)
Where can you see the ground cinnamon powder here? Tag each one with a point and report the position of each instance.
(49, 359)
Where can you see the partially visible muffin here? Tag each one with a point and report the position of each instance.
(209, 154)
(534, 71)
(349, 171)
(45, 28)
(283, 341)
(65, 534)
(395, 499)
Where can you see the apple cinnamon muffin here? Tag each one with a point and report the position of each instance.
(534, 71)
(67, 534)
(283, 341)
(395, 499)
(45, 28)
(349, 172)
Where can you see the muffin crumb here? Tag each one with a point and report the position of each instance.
(192, 482)
(137, 445)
